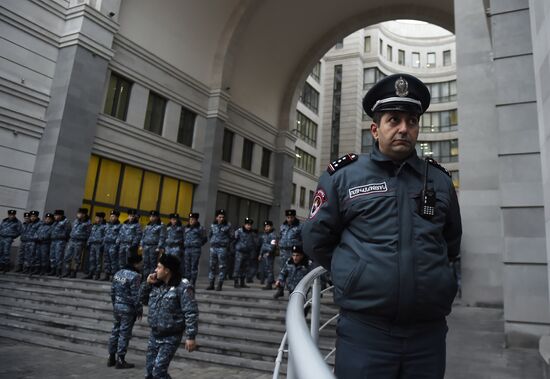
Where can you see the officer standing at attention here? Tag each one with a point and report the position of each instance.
(173, 311)
(77, 241)
(23, 241)
(152, 242)
(43, 241)
(125, 297)
(128, 238)
(290, 235)
(31, 253)
(174, 236)
(268, 245)
(194, 240)
(245, 246)
(386, 224)
(110, 247)
(10, 229)
(95, 243)
(61, 229)
(220, 239)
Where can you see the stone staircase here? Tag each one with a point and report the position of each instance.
(237, 327)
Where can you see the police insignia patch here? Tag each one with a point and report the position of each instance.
(318, 200)
(401, 87)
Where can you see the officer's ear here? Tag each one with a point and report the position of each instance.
(374, 130)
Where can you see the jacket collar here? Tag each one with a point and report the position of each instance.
(412, 160)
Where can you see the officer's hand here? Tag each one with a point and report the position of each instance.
(278, 283)
(152, 278)
(190, 345)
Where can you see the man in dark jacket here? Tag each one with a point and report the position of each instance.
(10, 229)
(290, 235)
(194, 239)
(294, 270)
(95, 243)
(173, 311)
(245, 246)
(386, 225)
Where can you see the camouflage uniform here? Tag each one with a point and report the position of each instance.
(291, 235)
(172, 310)
(245, 247)
(59, 234)
(43, 241)
(195, 238)
(31, 254)
(267, 254)
(95, 242)
(25, 239)
(174, 240)
(125, 297)
(220, 239)
(291, 274)
(9, 230)
(154, 237)
(128, 241)
(77, 241)
(110, 247)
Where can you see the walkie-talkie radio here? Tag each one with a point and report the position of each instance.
(427, 196)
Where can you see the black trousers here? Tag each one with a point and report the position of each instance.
(364, 351)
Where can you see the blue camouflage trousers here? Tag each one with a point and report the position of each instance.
(5, 247)
(242, 263)
(25, 252)
(160, 351)
(121, 332)
(95, 258)
(150, 259)
(192, 256)
(284, 255)
(42, 256)
(217, 263)
(30, 254)
(110, 258)
(266, 268)
(57, 250)
(252, 266)
(73, 252)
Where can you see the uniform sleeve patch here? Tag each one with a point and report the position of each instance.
(318, 200)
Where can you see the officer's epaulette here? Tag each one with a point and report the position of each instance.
(341, 162)
(434, 163)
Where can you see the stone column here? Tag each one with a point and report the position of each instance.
(284, 157)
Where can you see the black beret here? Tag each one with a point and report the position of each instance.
(171, 262)
(83, 210)
(34, 213)
(50, 215)
(154, 213)
(220, 212)
(194, 215)
(59, 212)
(290, 212)
(132, 212)
(115, 212)
(398, 92)
(268, 222)
(297, 249)
(173, 215)
(248, 220)
(12, 212)
(100, 214)
(26, 214)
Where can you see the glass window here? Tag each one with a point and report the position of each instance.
(293, 195)
(366, 141)
(131, 185)
(150, 191)
(302, 197)
(118, 97)
(389, 53)
(238, 208)
(266, 162)
(401, 57)
(186, 127)
(339, 44)
(311, 196)
(306, 129)
(447, 58)
(456, 178)
(453, 117)
(416, 60)
(248, 149)
(316, 72)
(310, 97)
(335, 121)
(367, 44)
(154, 117)
(441, 151)
(169, 195)
(91, 178)
(380, 47)
(304, 161)
(431, 60)
(185, 198)
(227, 149)
(107, 182)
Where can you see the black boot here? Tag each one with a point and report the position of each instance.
(267, 287)
(19, 268)
(219, 287)
(51, 272)
(243, 284)
(90, 275)
(97, 275)
(111, 361)
(66, 274)
(106, 278)
(121, 363)
(210, 286)
(73, 274)
(236, 283)
(280, 292)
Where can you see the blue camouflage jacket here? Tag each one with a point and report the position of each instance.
(220, 235)
(291, 274)
(81, 229)
(98, 233)
(172, 309)
(174, 235)
(245, 240)
(43, 232)
(291, 234)
(125, 291)
(154, 235)
(266, 247)
(112, 230)
(61, 229)
(130, 234)
(10, 228)
(195, 236)
(30, 231)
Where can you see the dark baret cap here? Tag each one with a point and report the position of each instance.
(50, 215)
(100, 214)
(398, 92)
(26, 214)
(248, 220)
(132, 212)
(171, 262)
(83, 210)
(34, 213)
(115, 212)
(268, 222)
(12, 212)
(297, 249)
(194, 215)
(154, 213)
(290, 212)
(220, 212)
(59, 212)
(174, 215)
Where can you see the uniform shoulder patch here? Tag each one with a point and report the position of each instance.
(434, 163)
(341, 162)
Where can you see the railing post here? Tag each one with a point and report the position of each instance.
(315, 310)
(290, 370)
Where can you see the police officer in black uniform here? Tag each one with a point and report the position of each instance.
(386, 225)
